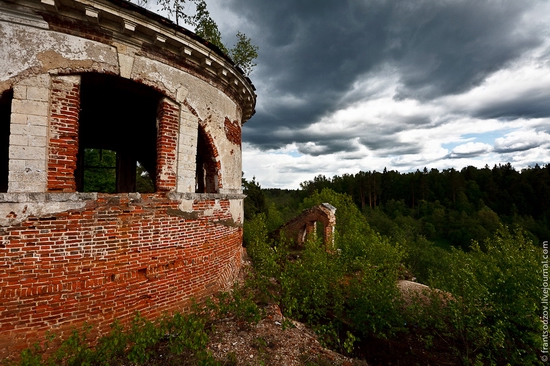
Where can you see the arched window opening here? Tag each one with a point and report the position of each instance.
(5, 117)
(117, 135)
(206, 178)
(320, 229)
(312, 230)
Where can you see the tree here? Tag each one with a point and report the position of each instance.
(243, 52)
(254, 203)
(174, 8)
(205, 26)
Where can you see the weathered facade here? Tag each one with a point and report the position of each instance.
(105, 75)
(304, 226)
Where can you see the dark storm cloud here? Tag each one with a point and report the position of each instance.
(327, 147)
(533, 105)
(516, 147)
(379, 142)
(307, 169)
(448, 47)
(311, 53)
(473, 154)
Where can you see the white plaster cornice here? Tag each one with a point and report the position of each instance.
(190, 48)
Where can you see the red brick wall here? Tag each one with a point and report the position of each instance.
(63, 144)
(114, 257)
(233, 131)
(167, 138)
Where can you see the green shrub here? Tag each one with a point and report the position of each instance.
(373, 303)
(111, 346)
(493, 316)
(143, 336)
(238, 303)
(259, 247)
(424, 259)
(186, 332)
(310, 288)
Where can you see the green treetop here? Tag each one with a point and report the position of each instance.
(243, 52)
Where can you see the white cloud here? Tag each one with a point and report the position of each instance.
(471, 149)
(521, 141)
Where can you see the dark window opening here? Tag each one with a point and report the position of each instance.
(319, 230)
(5, 117)
(99, 171)
(206, 178)
(117, 135)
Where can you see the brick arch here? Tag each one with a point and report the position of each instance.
(101, 111)
(208, 165)
(304, 226)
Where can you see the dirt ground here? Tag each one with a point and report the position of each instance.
(274, 340)
(271, 342)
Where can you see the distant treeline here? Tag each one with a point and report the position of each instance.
(445, 206)
(502, 188)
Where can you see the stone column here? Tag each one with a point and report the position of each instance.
(187, 151)
(28, 135)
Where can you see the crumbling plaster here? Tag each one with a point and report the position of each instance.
(32, 50)
(34, 53)
(206, 103)
(186, 201)
(17, 207)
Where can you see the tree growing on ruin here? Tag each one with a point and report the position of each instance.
(243, 52)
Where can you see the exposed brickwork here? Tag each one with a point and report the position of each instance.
(167, 143)
(233, 131)
(302, 226)
(63, 144)
(116, 256)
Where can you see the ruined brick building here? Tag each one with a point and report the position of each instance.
(304, 226)
(85, 76)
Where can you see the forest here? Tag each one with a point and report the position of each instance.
(474, 236)
(449, 207)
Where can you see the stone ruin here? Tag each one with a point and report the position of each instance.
(304, 226)
(78, 76)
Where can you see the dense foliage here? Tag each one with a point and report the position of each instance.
(483, 305)
(100, 171)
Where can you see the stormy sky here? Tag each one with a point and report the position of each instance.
(350, 85)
